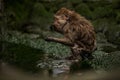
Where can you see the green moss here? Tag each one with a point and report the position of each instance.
(22, 56)
(109, 49)
(84, 10)
(106, 61)
(39, 10)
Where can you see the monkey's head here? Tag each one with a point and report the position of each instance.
(61, 18)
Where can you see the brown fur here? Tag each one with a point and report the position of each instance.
(78, 32)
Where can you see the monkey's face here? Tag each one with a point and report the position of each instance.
(59, 23)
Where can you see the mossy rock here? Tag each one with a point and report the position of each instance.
(109, 49)
(106, 61)
(22, 56)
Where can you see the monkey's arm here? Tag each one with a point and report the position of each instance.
(60, 40)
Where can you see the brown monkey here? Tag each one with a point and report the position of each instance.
(78, 33)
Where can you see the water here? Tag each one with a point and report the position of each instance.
(12, 73)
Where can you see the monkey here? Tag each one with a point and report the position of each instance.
(78, 32)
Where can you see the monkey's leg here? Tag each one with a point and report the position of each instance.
(85, 53)
(74, 55)
(60, 40)
(77, 53)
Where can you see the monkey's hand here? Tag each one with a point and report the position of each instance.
(49, 39)
(59, 40)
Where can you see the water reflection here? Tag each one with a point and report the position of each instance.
(56, 67)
